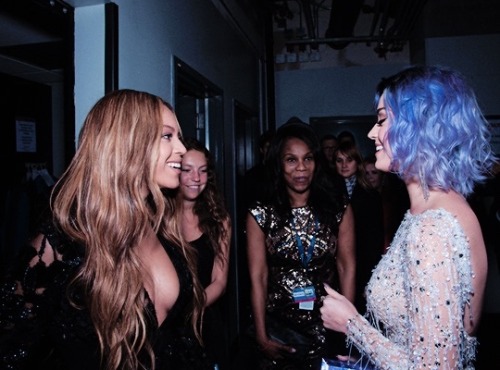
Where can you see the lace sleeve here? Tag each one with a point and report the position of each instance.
(438, 287)
(24, 307)
(378, 348)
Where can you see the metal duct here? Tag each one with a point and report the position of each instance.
(343, 17)
(308, 15)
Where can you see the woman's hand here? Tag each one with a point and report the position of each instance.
(336, 311)
(273, 349)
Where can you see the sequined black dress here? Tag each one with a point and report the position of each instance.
(45, 331)
(287, 270)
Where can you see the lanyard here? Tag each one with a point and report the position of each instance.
(306, 257)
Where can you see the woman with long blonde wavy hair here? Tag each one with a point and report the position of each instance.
(109, 282)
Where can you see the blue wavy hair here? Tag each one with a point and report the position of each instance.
(438, 134)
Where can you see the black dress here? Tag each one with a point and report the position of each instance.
(369, 232)
(53, 334)
(214, 331)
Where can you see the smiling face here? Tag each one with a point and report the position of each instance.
(379, 134)
(194, 174)
(168, 167)
(298, 164)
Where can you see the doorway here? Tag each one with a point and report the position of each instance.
(37, 111)
(247, 132)
(199, 109)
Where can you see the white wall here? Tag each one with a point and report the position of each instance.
(341, 91)
(478, 58)
(349, 91)
(89, 60)
(151, 32)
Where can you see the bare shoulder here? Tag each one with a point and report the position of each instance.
(44, 250)
(227, 224)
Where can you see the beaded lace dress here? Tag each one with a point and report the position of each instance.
(416, 299)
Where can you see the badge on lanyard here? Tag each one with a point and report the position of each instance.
(305, 297)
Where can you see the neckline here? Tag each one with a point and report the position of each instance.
(299, 207)
(429, 210)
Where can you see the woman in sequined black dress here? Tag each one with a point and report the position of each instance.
(298, 239)
(108, 282)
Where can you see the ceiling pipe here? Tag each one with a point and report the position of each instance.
(339, 40)
(308, 17)
(343, 17)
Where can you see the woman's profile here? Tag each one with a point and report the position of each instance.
(424, 299)
(108, 282)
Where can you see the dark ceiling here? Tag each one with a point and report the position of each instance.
(393, 22)
(36, 33)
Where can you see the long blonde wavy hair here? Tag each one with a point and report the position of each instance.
(98, 202)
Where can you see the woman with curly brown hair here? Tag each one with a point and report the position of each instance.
(206, 225)
(108, 282)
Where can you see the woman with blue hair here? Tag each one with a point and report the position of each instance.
(424, 299)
